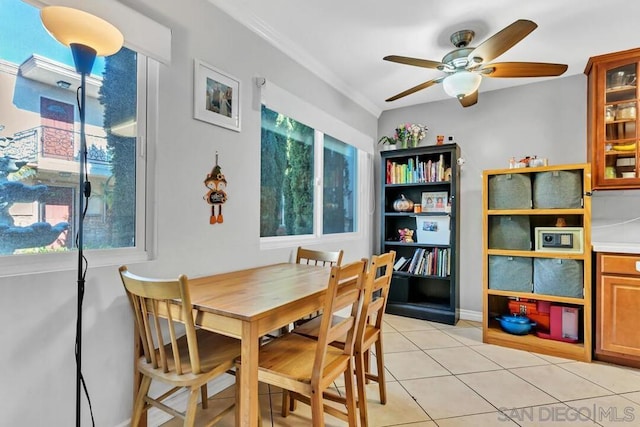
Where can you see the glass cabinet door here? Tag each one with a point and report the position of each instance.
(620, 119)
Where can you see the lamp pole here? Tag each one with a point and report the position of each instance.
(87, 36)
(83, 57)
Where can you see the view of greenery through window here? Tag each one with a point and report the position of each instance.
(39, 141)
(287, 177)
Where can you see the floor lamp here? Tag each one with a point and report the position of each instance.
(88, 36)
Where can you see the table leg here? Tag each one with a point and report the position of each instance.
(248, 404)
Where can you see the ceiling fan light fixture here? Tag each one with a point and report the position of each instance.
(461, 84)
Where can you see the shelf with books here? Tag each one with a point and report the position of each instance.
(425, 280)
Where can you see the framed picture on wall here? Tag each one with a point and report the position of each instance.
(216, 96)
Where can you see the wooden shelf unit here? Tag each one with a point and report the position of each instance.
(496, 300)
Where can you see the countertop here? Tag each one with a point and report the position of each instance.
(616, 247)
(616, 236)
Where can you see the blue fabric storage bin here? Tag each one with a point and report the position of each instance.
(510, 191)
(559, 277)
(511, 232)
(507, 273)
(557, 190)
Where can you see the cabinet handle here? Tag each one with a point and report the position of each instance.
(637, 265)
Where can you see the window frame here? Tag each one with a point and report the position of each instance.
(285, 103)
(144, 249)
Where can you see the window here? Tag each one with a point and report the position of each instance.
(294, 157)
(39, 143)
(339, 194)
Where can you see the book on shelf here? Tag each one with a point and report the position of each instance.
(399, 263)
(429, 262)
(415, 171)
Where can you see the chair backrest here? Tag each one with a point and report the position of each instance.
(346, 287)
(158, 305)
(326, 258)
(376, 292)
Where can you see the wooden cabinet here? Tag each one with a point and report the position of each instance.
(426, 286)
(544, 275)
(618, 309)
(612, 119)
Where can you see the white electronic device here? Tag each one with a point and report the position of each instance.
(559, 239)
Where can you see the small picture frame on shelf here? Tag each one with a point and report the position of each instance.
(434, 201)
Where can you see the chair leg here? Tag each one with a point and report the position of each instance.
(139, 403)
(204, 397)
(317, 409)
(367, 362)
(362, 391)
(382, 385)
(192, 404)
(350, 397)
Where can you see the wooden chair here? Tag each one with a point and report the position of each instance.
(304, 367)
(312, 257)
(189, 361)
(369, 330)
(324, 258)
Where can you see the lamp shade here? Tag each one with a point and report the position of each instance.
(72, 26)
(461, 84)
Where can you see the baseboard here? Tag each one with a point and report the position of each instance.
(475, 316)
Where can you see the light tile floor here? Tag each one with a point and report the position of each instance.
(441, 375)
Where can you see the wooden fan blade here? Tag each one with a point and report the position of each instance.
(503, 40)
(424, 63)
(469, 100)
(523, 69)
(415, 89)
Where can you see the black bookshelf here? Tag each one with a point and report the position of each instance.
(427, 286)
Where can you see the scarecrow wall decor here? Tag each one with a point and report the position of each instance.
(216, 196)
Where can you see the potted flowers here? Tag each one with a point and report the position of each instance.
(388, 143)
(405, 135)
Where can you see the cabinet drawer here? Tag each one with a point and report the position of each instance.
(621, 264)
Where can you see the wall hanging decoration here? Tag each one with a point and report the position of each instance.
(216, 97)
(216, 196)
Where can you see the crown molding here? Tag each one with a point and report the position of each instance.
(289, 48)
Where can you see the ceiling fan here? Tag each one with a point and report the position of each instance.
(465, 66)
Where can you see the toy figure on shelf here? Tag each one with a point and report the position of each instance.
(406, 235)
(216, 196)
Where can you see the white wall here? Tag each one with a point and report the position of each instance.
(38, 312)
(547, 119)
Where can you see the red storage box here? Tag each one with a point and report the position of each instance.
(538, 311)
(565, 324)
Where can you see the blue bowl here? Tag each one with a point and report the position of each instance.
(516, 324)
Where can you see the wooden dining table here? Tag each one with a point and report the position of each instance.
(248, 304)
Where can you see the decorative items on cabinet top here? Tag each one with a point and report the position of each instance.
(405, 135)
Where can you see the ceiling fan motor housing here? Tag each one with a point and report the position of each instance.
(458, 58)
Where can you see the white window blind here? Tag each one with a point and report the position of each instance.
(141, 33)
